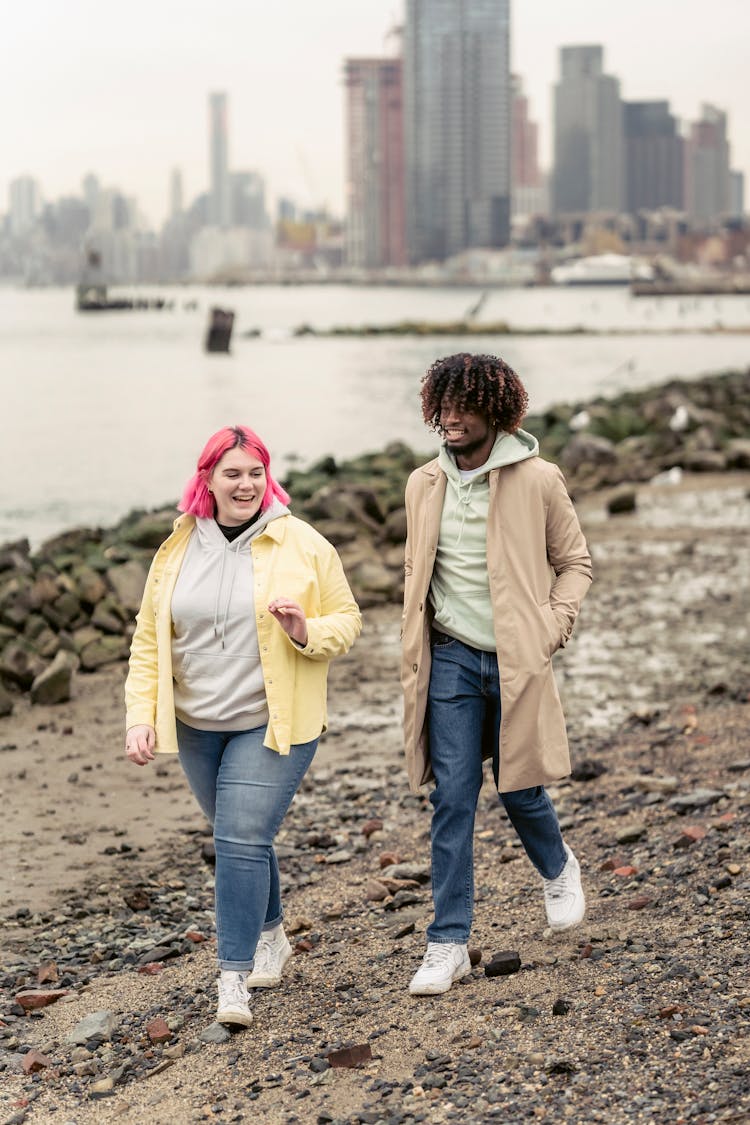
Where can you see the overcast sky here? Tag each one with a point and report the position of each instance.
(120, 89)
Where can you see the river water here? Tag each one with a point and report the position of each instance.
(104, 412)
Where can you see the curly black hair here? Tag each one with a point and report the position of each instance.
(483, 384)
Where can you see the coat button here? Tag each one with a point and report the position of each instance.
(414, 667)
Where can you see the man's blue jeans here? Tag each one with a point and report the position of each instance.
(244, 789)
(463, 714)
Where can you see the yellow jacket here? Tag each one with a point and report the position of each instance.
(290, 559)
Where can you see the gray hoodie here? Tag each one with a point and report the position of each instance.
(460, 590)
(218, 679)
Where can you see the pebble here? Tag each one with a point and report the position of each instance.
(215, 1033)
(96, 1025)
(503, 964)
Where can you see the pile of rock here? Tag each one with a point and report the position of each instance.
(72, 604)
(701, 426)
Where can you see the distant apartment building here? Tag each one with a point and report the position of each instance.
(220, 253)
(707, 183)
(654, 157)
(588, 145)
(218, 146)
(375, 199)
(457, 125)
(248, 200)
(176, 196)
(24, 204)
(736, 194)
(528, 189)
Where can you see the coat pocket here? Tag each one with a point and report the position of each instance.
(554, 635)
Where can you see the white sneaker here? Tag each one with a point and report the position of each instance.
(442, 964)
(233, 999)
(271, 956)
(564, 899)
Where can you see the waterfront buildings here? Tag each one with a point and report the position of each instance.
(707, 182)
(457, 97)
(218, 146)
(588, 169)
(24, 204)
(528, 192)
(375, 203)
(654, 157)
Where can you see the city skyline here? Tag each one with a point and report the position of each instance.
(130, 105)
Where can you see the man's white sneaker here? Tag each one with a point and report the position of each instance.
(564, 899)
(233, 999)
(271, 956)
(442, 964)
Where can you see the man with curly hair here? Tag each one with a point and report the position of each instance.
(496, 569)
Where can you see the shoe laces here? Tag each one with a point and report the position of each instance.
(264, 955)
(232, 990)
(563, 885)
(437, 955)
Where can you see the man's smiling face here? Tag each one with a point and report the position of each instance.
(468, 435)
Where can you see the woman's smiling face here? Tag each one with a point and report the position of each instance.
(238, 483)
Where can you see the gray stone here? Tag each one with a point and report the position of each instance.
(6, 702)
(54, 684)
(215, 1033)
(622, 500)
(20, 664)
(419, 872)
(695, 800)
(97, 1025)
(127, 581)
(588, 449)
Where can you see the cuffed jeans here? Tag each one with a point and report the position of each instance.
(245, 790)
(463, 714)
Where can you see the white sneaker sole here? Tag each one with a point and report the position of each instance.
(439, 987)
(259, 981)
(235, 1016)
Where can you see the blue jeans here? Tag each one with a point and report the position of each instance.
(244, 789)
(463, 715)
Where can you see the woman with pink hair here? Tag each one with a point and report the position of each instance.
(244, 607)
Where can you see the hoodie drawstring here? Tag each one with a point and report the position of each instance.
(463, 502)
(235, 552)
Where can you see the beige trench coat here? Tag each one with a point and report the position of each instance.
(539, 572)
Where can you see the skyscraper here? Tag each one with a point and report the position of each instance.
(707, 184)
(24, 204)
(457, 99)
(375, 201)
(175, 193)
(654, 157)
(588, 172)
(527, 182)
(219, 193)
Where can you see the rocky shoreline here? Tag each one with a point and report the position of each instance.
(108, 958)
(70, 605)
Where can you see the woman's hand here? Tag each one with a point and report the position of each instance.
(291, 617)
(139, 744)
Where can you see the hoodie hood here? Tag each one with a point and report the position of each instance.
(507, 450)
(468, 489)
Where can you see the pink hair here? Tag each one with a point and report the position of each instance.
(197, 500)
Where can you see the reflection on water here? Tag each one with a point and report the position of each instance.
(104, 412)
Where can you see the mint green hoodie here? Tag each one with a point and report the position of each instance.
(460, 590)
